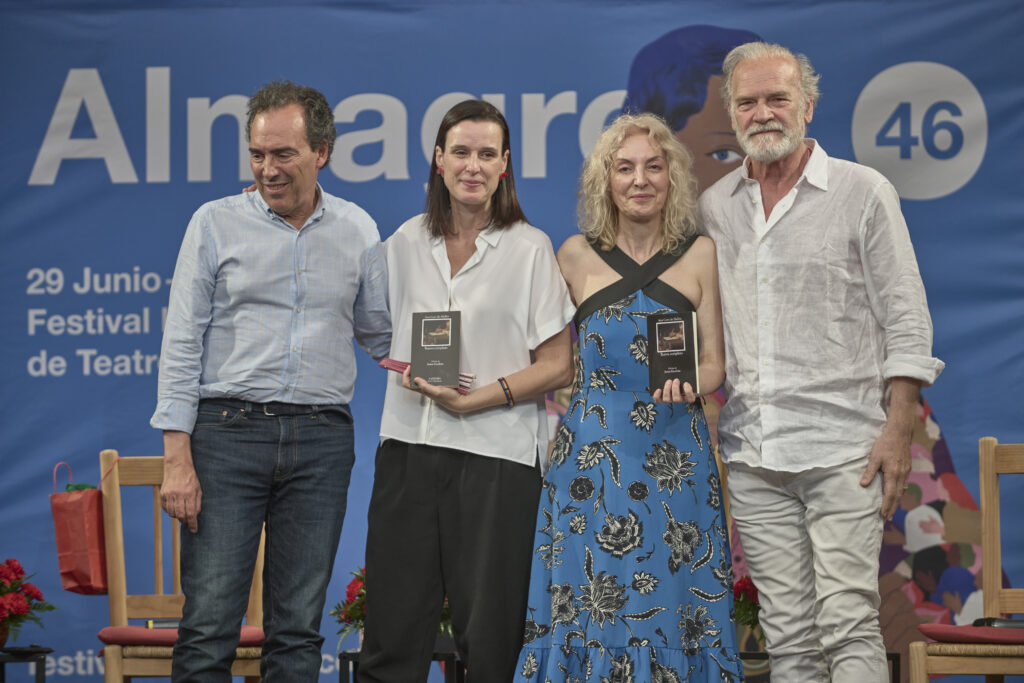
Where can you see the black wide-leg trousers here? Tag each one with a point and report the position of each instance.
(446, 522)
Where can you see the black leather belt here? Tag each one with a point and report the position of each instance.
(275, 408)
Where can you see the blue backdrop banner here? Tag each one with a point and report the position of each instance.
(122, 118)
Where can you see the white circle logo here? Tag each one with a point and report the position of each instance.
(923, 126)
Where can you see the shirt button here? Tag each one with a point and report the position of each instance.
(298, 309)
(295, 348)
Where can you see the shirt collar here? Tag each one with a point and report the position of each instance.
(815, 170)
(490, 236)
(318, 210)
(740, 177)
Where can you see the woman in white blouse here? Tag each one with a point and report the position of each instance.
(457, 476)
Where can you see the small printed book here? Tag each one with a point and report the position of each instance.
(672, 349)
(435, 347)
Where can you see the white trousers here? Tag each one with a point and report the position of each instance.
(812, 541)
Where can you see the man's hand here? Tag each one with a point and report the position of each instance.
(891, 455)
(180, 494)
(891, 452)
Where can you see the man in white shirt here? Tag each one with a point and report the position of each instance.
(824, 312)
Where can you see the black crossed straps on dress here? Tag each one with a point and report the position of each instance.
(637, 277)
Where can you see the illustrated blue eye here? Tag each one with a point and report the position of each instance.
(725, 156)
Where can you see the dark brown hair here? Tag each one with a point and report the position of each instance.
(505, 209)
(316, 112)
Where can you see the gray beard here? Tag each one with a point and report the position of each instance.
(769, 152)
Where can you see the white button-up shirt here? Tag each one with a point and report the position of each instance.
(822, 303)
(512, 297)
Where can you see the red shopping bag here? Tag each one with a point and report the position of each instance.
(78, 524)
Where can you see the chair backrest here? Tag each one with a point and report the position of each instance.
(995, 460)
(166, 601)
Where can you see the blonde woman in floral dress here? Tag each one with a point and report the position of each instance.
(631, 572)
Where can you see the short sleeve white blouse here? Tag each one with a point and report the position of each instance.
(512, 298)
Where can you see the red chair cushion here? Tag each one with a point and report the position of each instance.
(947, 633)
(252, 636)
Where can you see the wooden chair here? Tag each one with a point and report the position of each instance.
(991, 651)
(138, 650)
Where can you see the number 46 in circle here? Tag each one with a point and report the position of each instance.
(920, 104)
(896, 131)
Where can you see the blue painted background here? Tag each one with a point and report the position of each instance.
(403, 57)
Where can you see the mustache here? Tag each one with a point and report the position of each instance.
(771, 126)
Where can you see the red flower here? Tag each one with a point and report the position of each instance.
(747, 607)
(16, 603)
(15, 567)
(20, 601)
(355, 587)
(351, 613)
(31, 591)
(745, 588)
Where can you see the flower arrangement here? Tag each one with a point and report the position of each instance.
(747, 606)
(351, 613)
(20, 600)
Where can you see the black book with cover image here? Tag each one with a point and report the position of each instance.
(672, 349)
(435, 347)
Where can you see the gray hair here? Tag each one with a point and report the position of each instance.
(316, 112)
(759, 50)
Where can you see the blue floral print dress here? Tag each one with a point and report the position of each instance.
(631, 578)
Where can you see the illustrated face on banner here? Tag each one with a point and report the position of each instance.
(639, 179)
(472, 162)
(709, 136)
(284, 165)
(769, 112)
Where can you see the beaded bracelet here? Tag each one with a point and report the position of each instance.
(509, 401)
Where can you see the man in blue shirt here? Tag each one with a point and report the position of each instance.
(256, 372)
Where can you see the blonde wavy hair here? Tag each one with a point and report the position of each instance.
(596, 211)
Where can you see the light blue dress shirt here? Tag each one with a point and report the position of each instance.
(260, 311)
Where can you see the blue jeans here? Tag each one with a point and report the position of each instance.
(291, 472)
